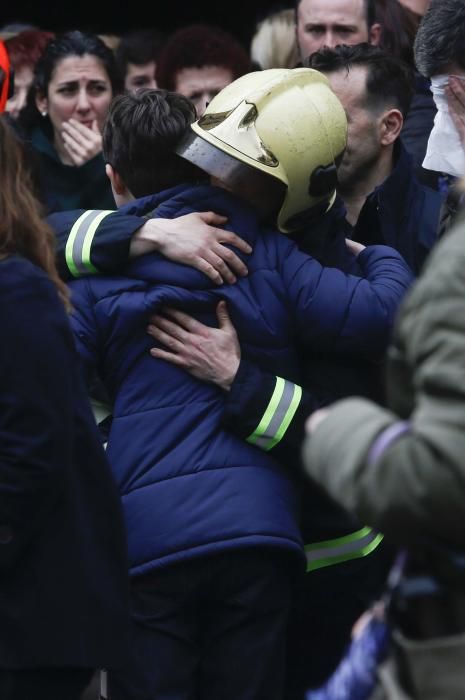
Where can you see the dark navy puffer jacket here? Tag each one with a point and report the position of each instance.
(188, 487)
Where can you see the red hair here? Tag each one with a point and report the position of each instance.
(196, 46)
(25, 48)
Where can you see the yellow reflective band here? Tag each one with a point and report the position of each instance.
(278, 415)
(295, 401)
(269, 413)
(79, 243)
(354, 546)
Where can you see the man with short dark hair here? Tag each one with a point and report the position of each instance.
(383, 199)
(320, 23)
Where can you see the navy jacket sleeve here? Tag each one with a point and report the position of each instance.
(36, 403)
(92, 241)
(268, 411)
(344, 313)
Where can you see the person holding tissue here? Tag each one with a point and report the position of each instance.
(440, 55)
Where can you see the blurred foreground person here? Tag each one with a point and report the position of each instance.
(24, 50)
(63, 569)
(401, 470)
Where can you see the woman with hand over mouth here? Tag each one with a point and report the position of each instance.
(74, 83)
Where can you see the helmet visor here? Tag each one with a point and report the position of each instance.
(264, 192)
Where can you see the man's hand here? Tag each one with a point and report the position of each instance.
(354, 247)
(81, 142)
(193, 240)
(455, 92)
(210, 354)
(314, 420)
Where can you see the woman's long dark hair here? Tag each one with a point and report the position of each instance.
(22, 230)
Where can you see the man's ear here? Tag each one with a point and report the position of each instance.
(117, 183)
(374, 35)
(391, 125)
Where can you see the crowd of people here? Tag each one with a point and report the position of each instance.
(232, 301)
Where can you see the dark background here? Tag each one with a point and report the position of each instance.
(118, 17)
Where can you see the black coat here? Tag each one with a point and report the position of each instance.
(63, 567)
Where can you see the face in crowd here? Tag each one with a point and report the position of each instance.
(329, 23)
(363, 141)
(79, 89)
(140, 76)
(201, 85)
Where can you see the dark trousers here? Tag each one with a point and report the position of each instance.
(44, 684)
(208, 629)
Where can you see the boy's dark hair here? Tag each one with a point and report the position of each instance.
(370, 12)
(440, 39)
(139, 136)
(138, 47)
(390, 81)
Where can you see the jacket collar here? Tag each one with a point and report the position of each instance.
(393, 194)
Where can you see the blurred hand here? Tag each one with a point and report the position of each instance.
(81, 142)
(210, 354)
(354, 247)
(193, 240)
(455, 92)
(314, 420)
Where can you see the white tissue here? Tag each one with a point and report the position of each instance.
(445, 152)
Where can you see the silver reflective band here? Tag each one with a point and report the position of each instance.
(80, 239)
(103, 685)
(278, 415)
(353, 546)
